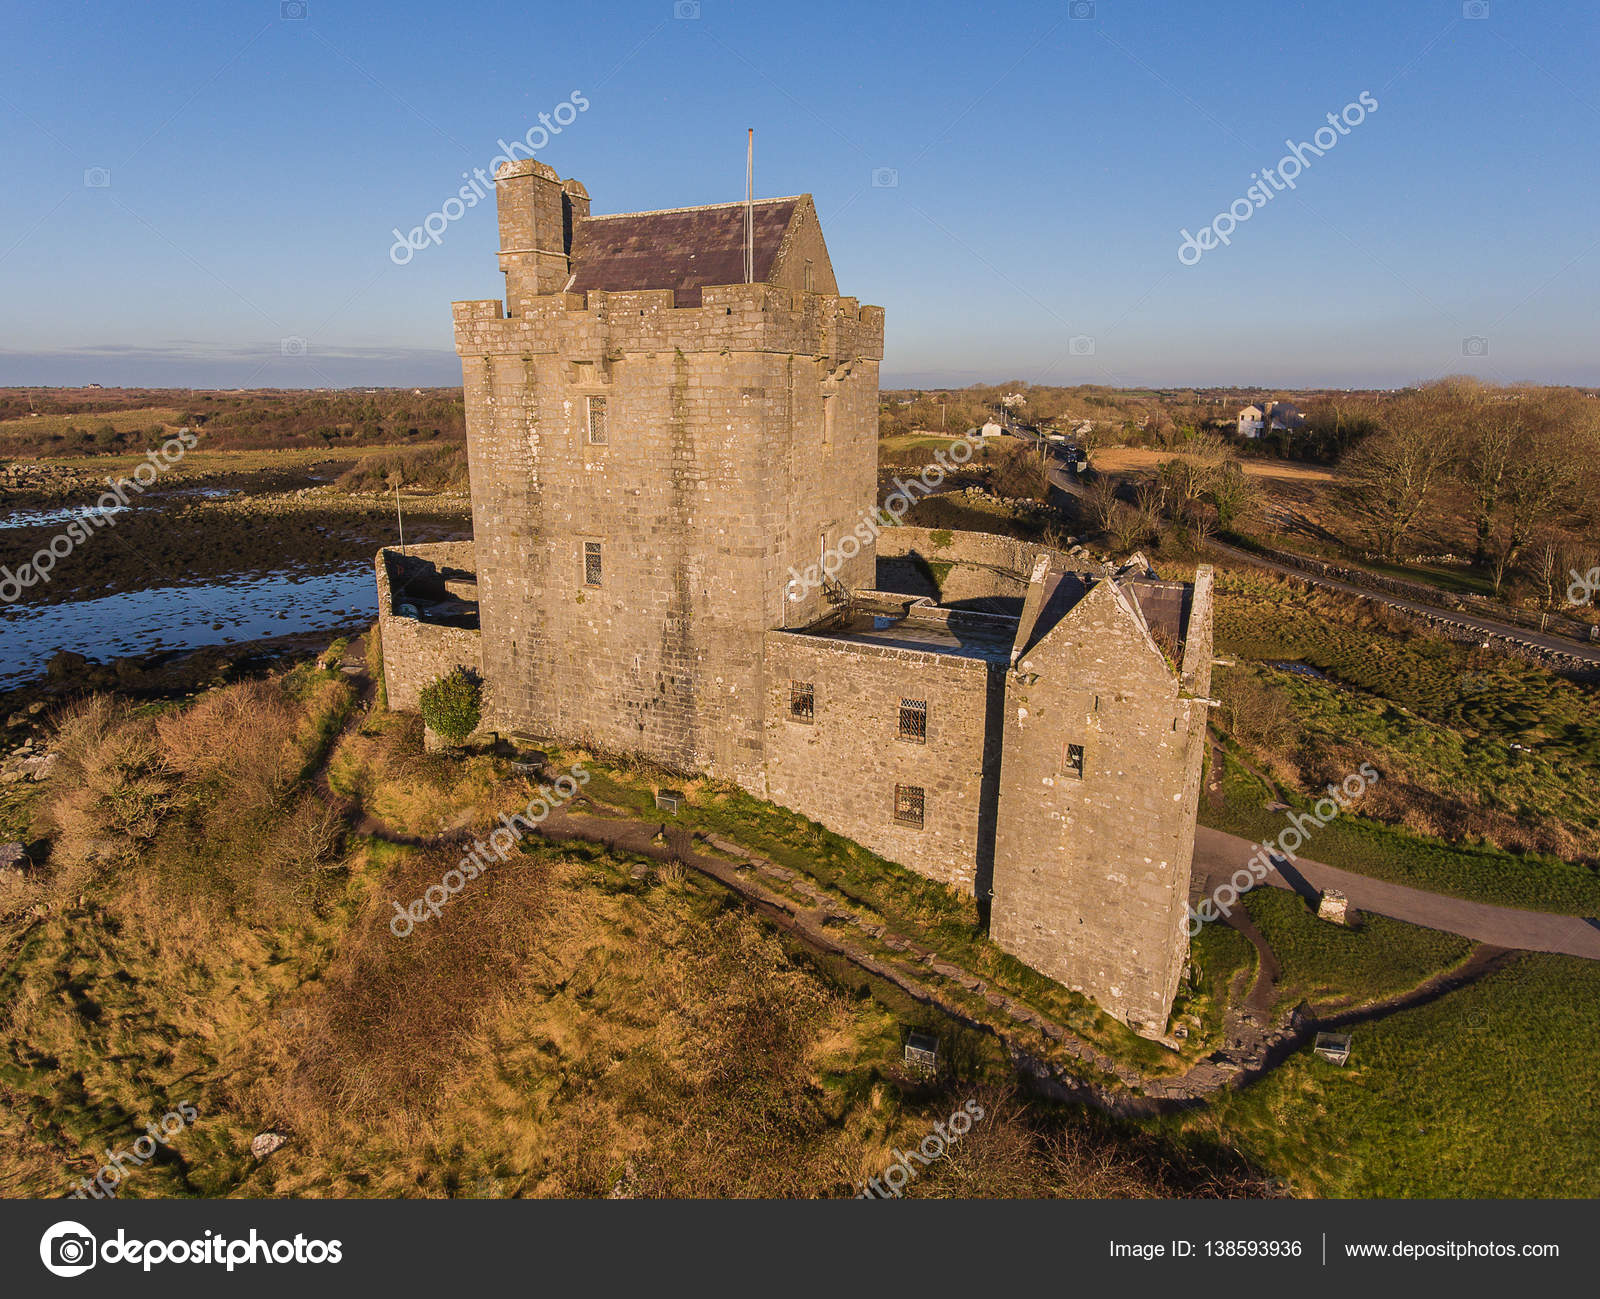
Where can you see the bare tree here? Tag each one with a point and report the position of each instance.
(1101, 499)
(1395, 473)
(1542, 480)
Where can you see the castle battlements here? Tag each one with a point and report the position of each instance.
(730, 318)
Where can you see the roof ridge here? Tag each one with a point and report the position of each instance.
(701, 207)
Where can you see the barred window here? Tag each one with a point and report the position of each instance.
(802, 701)
(592, 570)
(1074, 762)
(914, 720)
(908, 805)
(597, 421)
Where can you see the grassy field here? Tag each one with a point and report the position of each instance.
(1489, 1091)
(124, 421)
(574, 1022)
(1261, 617)
(899, 444)
(201, 461)
(916, 907)
(1458, 781)
(1334, 967)
(1487, 756)
(1368, 847)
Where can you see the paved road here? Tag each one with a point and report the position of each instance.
(1218, 855)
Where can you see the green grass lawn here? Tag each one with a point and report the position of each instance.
(1331, 966)
(890, 447)
(1489, 1091)
(1353, 843)
(1262, 619)
(1551, 779)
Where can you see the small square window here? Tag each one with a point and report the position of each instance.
(908, 805)
(592, 567)
(802, 701)
(597, 421)
(914, 720)
(1074, 762)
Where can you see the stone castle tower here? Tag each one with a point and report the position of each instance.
(657, 446)
(653, 444)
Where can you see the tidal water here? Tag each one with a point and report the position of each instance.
(244, 608)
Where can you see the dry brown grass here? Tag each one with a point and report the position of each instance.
(111, 789)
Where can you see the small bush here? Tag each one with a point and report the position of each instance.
(451, 706)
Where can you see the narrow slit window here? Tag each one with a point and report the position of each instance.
(593, 569)
(597, 421)
(908, 805)
(827, 419)
(1074, 763)
(914, 720)
(809, 279)
(802, 701)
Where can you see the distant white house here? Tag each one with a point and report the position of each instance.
(1278, 415)
(990, 430)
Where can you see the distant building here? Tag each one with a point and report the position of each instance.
(990, 430)
(1284, 415)
(1278, 416)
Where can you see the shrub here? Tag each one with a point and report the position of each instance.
(109, 789)
(451, 705)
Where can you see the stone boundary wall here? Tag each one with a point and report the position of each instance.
(1569, 665)
(947, 545)
(1553, 624)
(416, 653)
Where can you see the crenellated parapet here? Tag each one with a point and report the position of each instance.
(731, 318)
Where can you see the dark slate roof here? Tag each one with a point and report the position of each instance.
(682, 249)
(1165, 606)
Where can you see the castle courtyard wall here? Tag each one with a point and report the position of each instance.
(416, 653)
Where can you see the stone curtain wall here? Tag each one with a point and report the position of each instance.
(974, 568)
(418, 653)
(841, 769)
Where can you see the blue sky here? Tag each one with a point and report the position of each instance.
(1045, 158)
